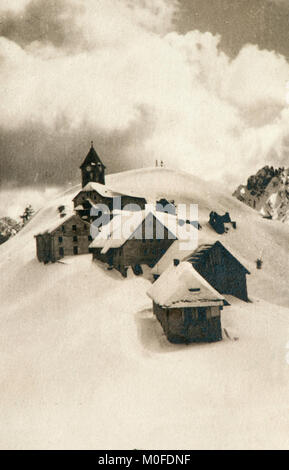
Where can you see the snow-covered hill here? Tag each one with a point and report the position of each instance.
(267, 192)
(84, 363)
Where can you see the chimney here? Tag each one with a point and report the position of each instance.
(176, 262)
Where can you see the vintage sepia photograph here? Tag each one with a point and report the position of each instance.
(144, 227)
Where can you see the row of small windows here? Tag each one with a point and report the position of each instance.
(73, 228)
(75, 239)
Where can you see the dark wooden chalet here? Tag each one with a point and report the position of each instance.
(68, 236)
(149, 238)
(187, 307)
(221, 269)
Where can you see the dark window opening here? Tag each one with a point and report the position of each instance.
(188, 315)
(63, 229)
(89, 238)
(202, 313)
(60, 239)
(75, 250)
(74, 228)
(75, 239)
(61, 252)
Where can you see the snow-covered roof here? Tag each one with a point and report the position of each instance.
(101, 189)
(203, 249)
(122, 228)
(182, 286)
(175, 252)
(58, 221)
(113, 229)
(106, 191)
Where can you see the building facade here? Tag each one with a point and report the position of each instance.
(69, 237)
(190, 324)
(187, 307)
(221, 269)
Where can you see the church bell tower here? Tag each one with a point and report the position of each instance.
(92, 169)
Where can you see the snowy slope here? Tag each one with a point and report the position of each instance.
(84, 364)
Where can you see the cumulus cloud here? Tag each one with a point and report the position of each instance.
(117, 71)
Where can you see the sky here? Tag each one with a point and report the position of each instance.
(199, 84)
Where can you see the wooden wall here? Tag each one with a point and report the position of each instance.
(136, 251)
(179, 329)
(224, 273)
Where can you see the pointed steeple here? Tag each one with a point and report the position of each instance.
(92, 168)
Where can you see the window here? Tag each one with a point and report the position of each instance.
(61, 252)
(89, 238)
(202, 313)
(63, 229)
(75, 239)
(60, 239)
(188, 315)
(75, 250)
(74, 228)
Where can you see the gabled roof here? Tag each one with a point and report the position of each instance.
(58, 221)
(106, 191)
(194, 257)
(182, 286)
(199, 255)
(91, 158)
(113, 236)
(174, 252)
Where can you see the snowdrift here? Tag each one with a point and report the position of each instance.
(84, 363)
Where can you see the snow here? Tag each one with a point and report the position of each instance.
(174, 289)
(176, 251)
(84, 363)
(119, 230)
(105, 190)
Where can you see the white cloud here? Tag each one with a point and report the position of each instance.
(207, 114)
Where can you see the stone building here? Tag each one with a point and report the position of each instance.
(67, 236)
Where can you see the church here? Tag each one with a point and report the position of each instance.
(92, 168)
(69, 232)
(95, 191)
